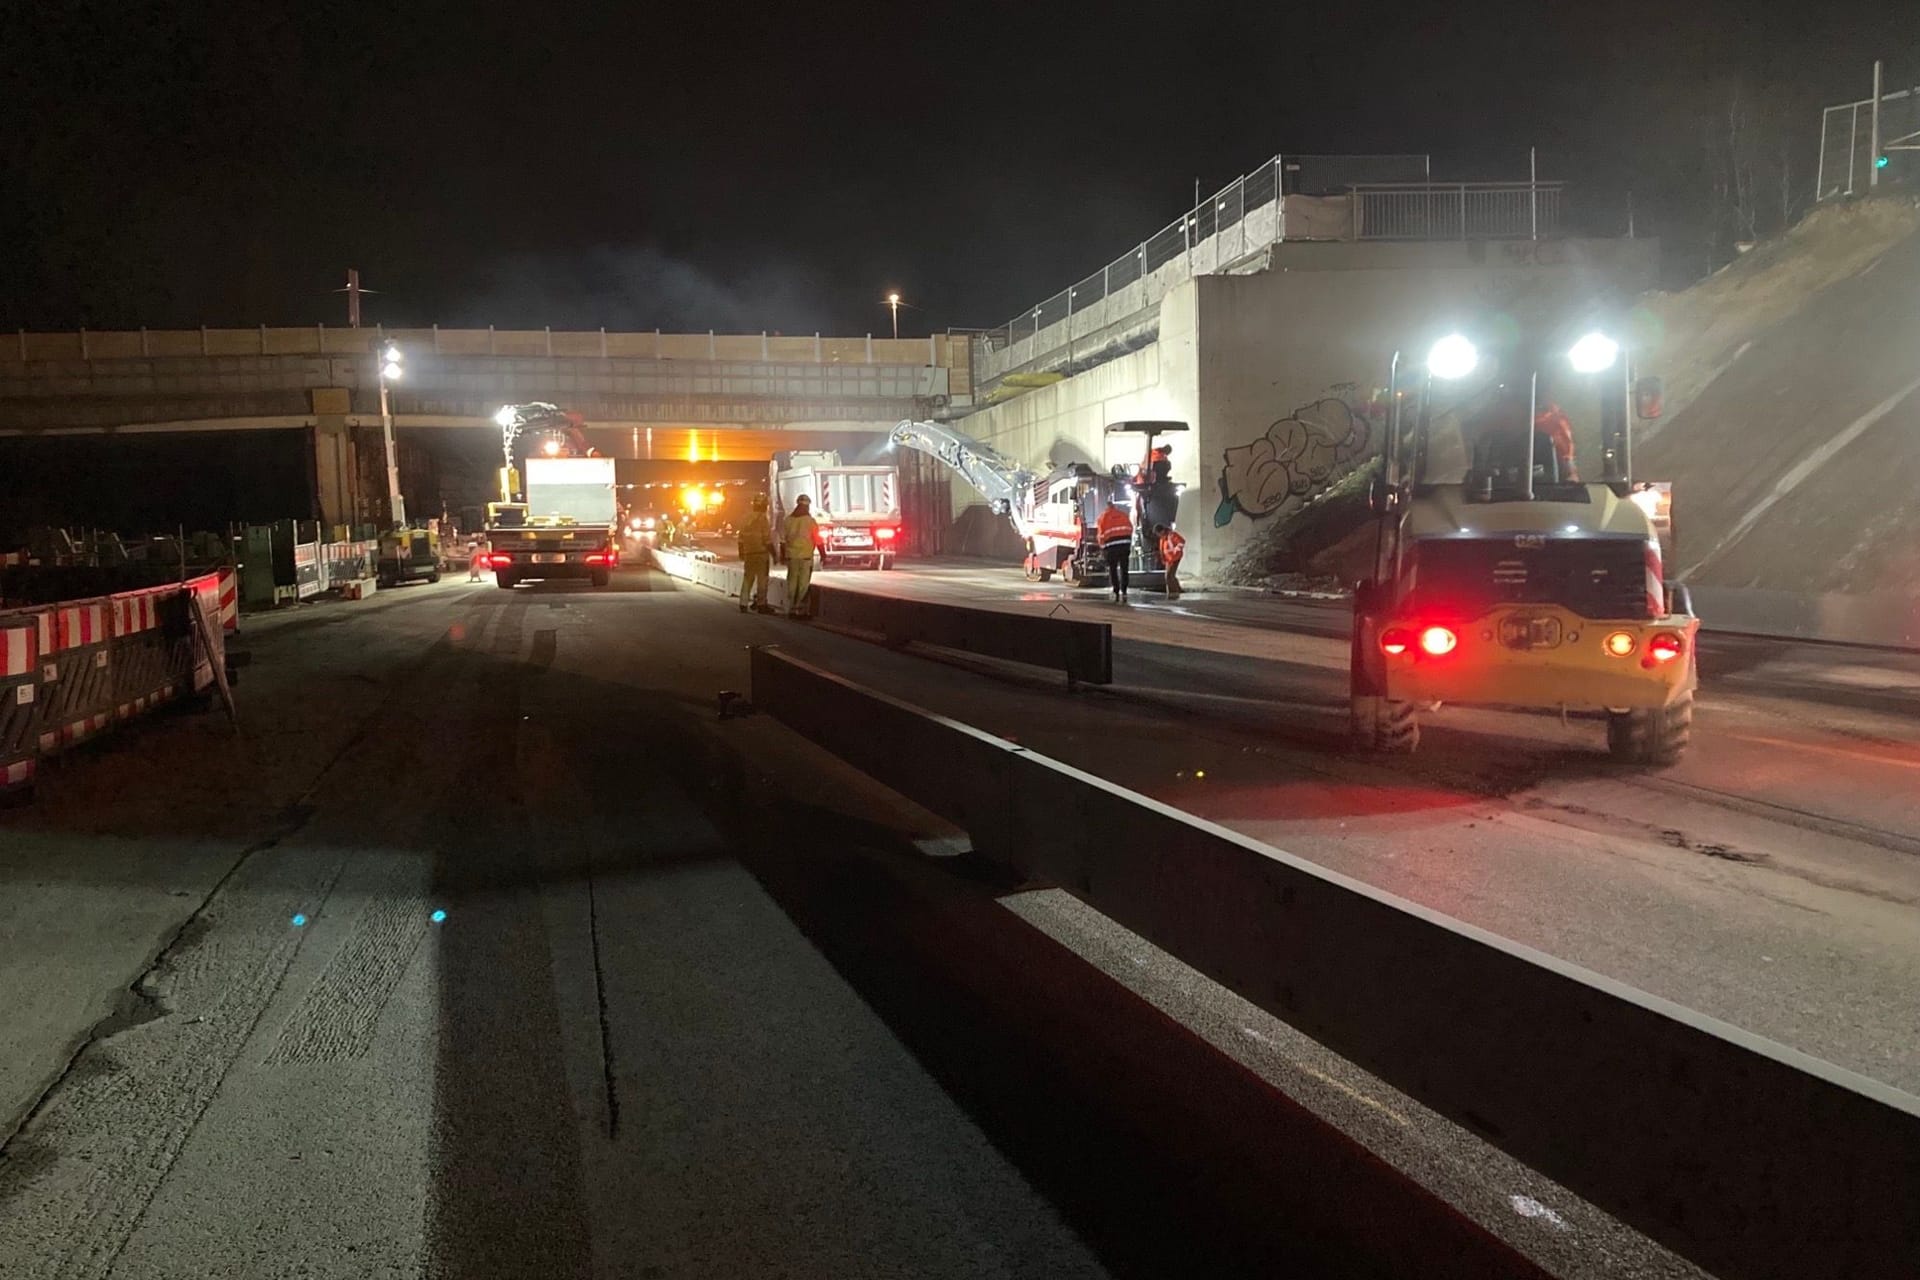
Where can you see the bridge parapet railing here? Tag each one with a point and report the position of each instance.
(1456, 210)
(322, 340)
(1287, 198)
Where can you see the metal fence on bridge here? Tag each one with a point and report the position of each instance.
(1456, 210)
(1349, 198)
(1228, 211)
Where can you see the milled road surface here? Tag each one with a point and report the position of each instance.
(614, 1055)
(634, 1047)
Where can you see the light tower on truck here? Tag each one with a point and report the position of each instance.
(392, 365)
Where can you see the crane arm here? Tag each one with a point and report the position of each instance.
(1007, 486)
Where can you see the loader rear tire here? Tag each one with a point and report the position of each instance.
(1653, 735)
(1385, 725)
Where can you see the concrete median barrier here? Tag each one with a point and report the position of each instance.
(1083, 651)
(1886, 620)
(1749, 1158)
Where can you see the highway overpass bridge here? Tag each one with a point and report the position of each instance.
(250, 379)
(645, 395)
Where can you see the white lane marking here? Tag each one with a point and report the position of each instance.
(1825, 750)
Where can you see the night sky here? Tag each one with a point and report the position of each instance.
(722, 166)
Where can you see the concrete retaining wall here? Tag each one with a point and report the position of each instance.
(1282, 373)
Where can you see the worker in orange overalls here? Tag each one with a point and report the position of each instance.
(1115, 530)
(1172, 548)
(1553, 423)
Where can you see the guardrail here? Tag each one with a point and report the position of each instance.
(1747, 1157)
(72, 671)
(1083, 651)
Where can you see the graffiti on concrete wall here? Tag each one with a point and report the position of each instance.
(1295, 457)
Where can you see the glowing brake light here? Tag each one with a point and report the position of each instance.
(602, 558)
(886, 533)
(1665, 647)
(1396, 641)
(1437, 641)
(499, 560)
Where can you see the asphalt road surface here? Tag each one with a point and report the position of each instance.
(663, 1031)
(1772, 878)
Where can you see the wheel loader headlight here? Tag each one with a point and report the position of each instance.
(1593, 353)
(1452, 357)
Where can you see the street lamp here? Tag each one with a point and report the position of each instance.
(893, 305)
(392, 365)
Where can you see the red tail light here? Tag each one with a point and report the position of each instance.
(885, 533)
(607, 558)
(1437, 641)
(499, 560)
(1396, 641)
(1665, 646)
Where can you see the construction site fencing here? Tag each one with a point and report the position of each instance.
(73, 671)
(1750, 1159)
(287, 561)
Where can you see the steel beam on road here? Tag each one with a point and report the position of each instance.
(1749, 1158)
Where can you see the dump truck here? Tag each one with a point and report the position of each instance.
(1517, 562)
(857, 507)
